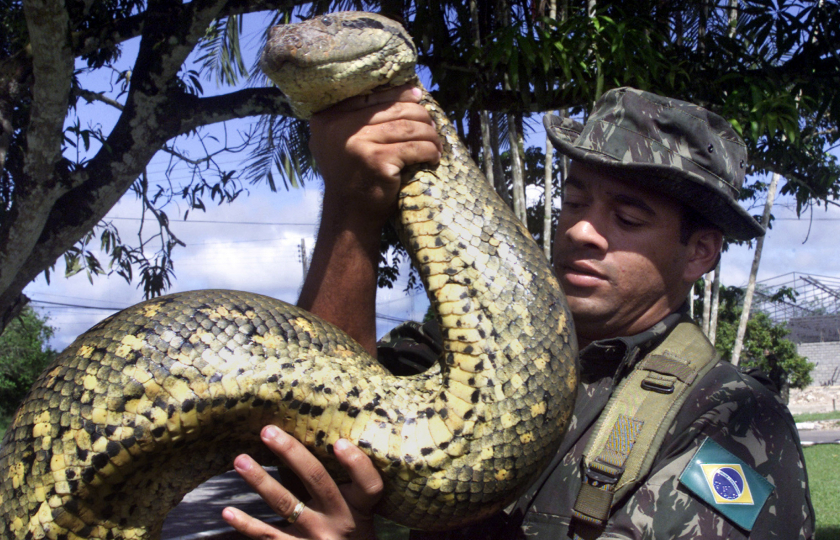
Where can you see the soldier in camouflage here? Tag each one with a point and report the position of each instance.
(652, 190)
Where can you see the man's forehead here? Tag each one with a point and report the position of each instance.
(586, 178)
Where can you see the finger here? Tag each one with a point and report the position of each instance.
(252, 527)
(365, 489)
(277, 497)
(306, 466)
(406, 93)
(415, 152)
(400, 130)
(339, 125)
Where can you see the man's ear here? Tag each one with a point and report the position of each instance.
(703, 252)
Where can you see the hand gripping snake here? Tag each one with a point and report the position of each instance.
(162, 396)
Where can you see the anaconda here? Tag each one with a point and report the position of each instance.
(157, 398)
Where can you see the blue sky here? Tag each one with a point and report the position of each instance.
(254, 244)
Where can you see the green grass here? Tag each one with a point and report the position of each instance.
(812, 417)
(824, 476)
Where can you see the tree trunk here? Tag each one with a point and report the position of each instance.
(487, 150)
(733, 18)
(691, 301)
(548, 199)
(517, 170)
(707, 302)
(548, 203)
(498, 174)
(713, 312)
(748, 296)
(484, 116)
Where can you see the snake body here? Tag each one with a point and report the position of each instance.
(157, 398)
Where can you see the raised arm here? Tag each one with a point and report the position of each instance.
(361, 145)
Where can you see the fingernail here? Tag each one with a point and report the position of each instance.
(270, 432)
(227, 514)
(341, 445)
(417, 92)
(242, 463)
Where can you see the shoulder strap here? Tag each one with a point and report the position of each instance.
(634, 422)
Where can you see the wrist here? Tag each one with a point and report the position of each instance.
(345, 217)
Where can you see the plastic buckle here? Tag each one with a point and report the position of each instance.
(659, 387)
(601, 478)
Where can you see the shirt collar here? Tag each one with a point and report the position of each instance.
(620, 353)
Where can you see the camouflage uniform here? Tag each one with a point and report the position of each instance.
(695, 158)
(729, 407)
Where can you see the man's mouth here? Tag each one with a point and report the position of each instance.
(582, 274)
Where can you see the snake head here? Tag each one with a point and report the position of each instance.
(357, 52)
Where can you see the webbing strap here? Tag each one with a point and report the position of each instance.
(596, 494)
(634, 422)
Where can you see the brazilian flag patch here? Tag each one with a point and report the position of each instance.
(728, 484)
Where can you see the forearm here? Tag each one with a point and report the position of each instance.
(341, 284)
(361, 146)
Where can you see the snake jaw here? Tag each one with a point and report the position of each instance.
(297, 57)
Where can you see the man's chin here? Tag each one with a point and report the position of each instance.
(584, 308)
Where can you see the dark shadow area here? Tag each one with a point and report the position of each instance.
(201, 509)
(827, 533)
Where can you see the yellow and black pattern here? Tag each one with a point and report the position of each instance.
(160, 397)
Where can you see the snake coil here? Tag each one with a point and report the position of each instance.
(157, 398)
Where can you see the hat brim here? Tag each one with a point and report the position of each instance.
(684, 186)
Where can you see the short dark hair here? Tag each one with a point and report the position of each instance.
(692, 222)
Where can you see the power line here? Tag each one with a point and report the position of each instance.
(218, 222)
(75, 305)
(378, 316)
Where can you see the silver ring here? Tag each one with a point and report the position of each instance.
(296, 512)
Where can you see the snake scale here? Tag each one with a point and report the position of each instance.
(161, 396)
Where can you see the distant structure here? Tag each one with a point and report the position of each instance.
(812, 316)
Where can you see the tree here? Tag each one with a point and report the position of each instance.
(24, 354)
(776, 76)
(50, 202)
(765, 344)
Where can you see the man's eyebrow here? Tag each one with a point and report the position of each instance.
(635, 202)
(575, 183)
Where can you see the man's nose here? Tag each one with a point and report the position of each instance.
(587, 232)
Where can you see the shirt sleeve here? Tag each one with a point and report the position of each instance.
(748, 421)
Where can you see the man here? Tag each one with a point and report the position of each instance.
(652, 190)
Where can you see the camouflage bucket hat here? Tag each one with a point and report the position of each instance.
(665, 145)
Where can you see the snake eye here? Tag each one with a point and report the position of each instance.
(326, 21)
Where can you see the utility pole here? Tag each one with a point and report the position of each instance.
(302, 255)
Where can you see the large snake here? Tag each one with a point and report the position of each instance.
(157, 398)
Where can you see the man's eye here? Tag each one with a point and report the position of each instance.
(628, 222)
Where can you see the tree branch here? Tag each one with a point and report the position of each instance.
(240, 104)
(99, 96)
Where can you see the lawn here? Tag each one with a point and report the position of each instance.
(824, 475)
(813, 417)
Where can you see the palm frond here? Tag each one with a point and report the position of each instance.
(220, 53)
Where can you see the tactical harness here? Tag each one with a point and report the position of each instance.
(630, 430)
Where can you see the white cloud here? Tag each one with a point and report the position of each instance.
(792, 245)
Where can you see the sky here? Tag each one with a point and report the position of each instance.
(254, 244)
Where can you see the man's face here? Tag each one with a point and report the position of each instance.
(618, 255)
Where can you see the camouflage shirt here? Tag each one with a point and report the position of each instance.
(731, 408)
